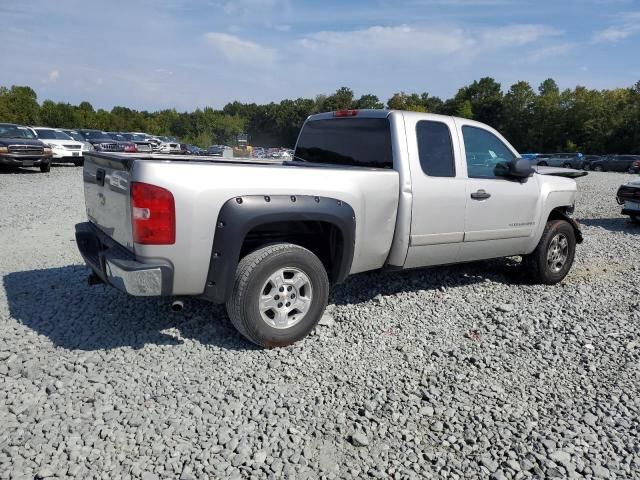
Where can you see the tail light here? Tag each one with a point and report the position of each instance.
(153, 215)
(345, 113)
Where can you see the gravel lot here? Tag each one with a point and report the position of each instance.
(450, 372)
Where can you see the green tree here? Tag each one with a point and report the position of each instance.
(22, 105)
(342, 99)
(518, 105)
(368, 101)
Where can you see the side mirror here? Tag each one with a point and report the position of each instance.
(517, 168)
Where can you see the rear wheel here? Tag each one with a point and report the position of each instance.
(279, 295)
(552, 259)
(45, 167)
(635, 218)
(566, 165)
(599, 168)
(542, 164)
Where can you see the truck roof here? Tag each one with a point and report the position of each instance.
(371, 113)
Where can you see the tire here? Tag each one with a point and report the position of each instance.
(267, 270)
(78, 162)
(45, 167)
(635, 219)
(542, 164)
(598, 168)
(539, 267)
(566, 165)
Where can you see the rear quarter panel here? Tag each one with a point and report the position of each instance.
(200, 189)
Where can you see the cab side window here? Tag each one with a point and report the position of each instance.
(485, 152)
(435, 149)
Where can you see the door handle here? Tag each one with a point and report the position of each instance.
(480, 195)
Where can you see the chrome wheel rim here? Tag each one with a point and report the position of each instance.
(285, 298)
(558, 252)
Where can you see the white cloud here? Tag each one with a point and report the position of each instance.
(238, 50)
(551, 51)
(405, 40)
(628, 26)
(53, 76)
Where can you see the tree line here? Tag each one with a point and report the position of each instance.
(544, 120)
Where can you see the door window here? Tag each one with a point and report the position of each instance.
(435, 149)
(485, 153)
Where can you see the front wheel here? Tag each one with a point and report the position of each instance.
(45, 167)
(566, 165)
(598, 168)
(78, 162)
(635, 219)
(279, 295)
(552, 259)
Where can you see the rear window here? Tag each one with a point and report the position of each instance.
(435, 149)
(360, 142)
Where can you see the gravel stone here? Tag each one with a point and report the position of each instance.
(327, 320)
(359, 439)
(463, 371)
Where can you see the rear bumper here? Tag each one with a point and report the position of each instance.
(118, 267)
(23, 160)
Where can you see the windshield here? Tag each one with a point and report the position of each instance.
(15, 131)
(117, 136)
(362, 142)
(93, 134)
(75, 135)
(50, 134)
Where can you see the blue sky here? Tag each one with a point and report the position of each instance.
(152, 54)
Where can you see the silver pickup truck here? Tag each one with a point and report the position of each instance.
(365, 190)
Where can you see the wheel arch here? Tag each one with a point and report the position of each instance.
(562, 213)
(246, 223)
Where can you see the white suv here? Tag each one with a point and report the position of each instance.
(64, 148)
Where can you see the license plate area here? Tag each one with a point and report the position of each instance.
(27, 163)
(75, 154)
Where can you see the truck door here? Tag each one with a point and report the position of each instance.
(501, 212)
(437, 211)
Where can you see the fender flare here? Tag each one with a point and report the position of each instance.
(239, 215)
(557, 212)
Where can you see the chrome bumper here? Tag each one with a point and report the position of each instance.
(118, 267)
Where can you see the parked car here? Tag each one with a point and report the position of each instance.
(143, 144)
(129, 146)
(615, 163)
(629, 197)
(268, 238)
(564, 160)
(101, 141)
(19, 147)
(168, 145)
(64, 148)
(635, 166)
(588, 160)
(220, 151)
(78, 137)
(193, 150)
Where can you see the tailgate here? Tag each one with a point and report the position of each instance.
(106, 195)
